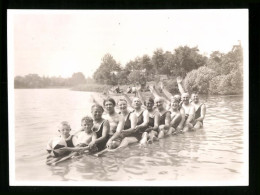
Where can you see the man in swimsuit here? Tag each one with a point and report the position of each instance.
(116, 121)
(188, 113)
(200, 111)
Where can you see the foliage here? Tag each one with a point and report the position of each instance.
(198, 80)
(106, 73)
(135, 76)
(35, 81)
(172, 86)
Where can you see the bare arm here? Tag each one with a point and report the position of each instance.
(167, 120)
(166, 92)
(119, 129)
(191, 115)
(140, 96)
(129, 101)
(182, 118)
(179, 80)
(175, 118)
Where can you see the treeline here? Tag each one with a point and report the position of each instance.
(219, 74)
(35, 81)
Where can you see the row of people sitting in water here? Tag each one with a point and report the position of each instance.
(138, 120)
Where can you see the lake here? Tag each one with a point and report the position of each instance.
(215, 155)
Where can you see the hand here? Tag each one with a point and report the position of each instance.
(109, 143)
(179, 80)
(62, 149)
(91, 144)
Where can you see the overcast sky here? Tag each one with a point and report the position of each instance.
(59, 43)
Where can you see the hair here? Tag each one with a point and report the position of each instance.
(98, 107)
(109, 100)
(87, 119)
(185, 94)
(64, 123)
(159, 98)
(124, 100)
(150, 99)
(174, 99)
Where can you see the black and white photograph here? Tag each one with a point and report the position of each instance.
(128, 97)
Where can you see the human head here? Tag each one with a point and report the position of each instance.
(122, 104)
(195, 97)
(176, 97)
(64, 129)
(159, 102)
(109, 104)
(137, 103)
(174, 103)
(149, 103)
(185, 98)
(97, 111)
(87, 122)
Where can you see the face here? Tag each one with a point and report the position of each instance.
(137, 103)
(175, 105)
(195, 98)
(109, 106)
(185, 98)
(149, 105)
(88, 126)
(65, 130)
(97, 113)
(159, 103)
(122, 105)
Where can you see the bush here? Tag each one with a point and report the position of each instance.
(198, 80)
(227, 84)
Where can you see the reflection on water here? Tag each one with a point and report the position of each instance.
(212, 153)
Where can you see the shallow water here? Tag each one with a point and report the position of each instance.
(214, 153)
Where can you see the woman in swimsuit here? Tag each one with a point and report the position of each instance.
(200, 111)
(151, 132)
(101, 127)
(175, 115)
(165, 118)
(128, 134)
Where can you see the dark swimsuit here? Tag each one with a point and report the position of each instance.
(137, 135)
(101, 145)
(198, 113)
(162, 118)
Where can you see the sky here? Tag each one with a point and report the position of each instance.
(62, 42)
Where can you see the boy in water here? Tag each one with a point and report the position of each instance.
(55, 145)
(85, 137)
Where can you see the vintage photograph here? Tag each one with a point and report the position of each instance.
(128, 97)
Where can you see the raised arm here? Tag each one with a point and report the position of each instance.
(165, 91)
(129, 101)
(179, 80)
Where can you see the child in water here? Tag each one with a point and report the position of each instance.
(84, 137)
(55, 144)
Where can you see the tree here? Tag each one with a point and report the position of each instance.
(134, 76)
(77, 78)
(187, 59)
(158, 60)
(106, 73)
